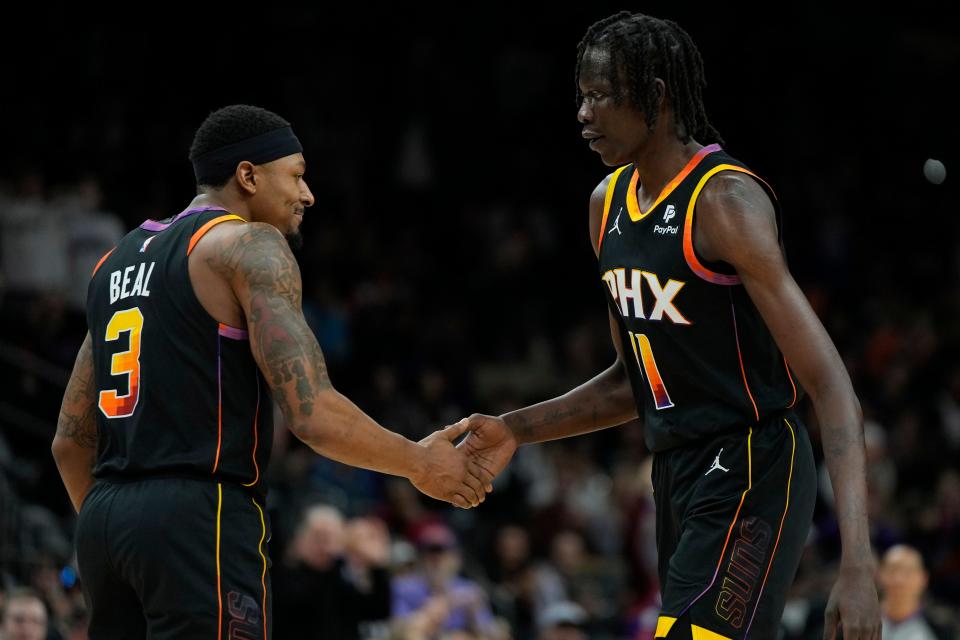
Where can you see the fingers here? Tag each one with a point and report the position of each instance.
(455, 430)
(830, 620)
(459, 501)
(475, 486)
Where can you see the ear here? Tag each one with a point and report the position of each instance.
(661, 89)
(246, 175)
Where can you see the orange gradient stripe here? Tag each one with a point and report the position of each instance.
(660, 396)
(256, 415)
(743, 371)
(633, 207)
(688, 252)
(219, 596)
(199, 233)
(608, 198)
(263, 574)
(100, 262)
(793, 453)
(794, 386)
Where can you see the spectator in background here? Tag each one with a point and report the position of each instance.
(329, 587)
(564, 621)
(436, 599)
(522, 588)
(903, 581)
(24, 616)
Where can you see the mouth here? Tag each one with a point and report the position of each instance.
(592, 137)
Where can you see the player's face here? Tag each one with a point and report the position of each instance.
(616, 132)
(282, 196)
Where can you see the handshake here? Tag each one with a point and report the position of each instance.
(463, 474)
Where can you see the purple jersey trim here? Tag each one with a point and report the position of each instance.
(153, 225)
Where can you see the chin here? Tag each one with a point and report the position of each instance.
(614, 159)
(294, 239)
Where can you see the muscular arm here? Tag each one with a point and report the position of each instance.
(736, 223)
(256, 260)
(75, 444)
(604, 401)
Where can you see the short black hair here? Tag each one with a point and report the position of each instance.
(645, 48)
(229, 125)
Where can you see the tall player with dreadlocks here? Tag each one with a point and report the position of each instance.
(705, 317)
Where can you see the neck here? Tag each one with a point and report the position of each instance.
(662, 158)
(223, 198)
(898, 611)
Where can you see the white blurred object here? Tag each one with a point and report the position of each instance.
(934, 171)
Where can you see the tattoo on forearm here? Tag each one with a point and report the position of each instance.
(260, 261)
(78, 412)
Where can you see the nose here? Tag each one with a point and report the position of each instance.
(585, 112)
(306, 196)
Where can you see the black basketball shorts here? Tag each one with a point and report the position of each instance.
(733, 515)
(174, 558)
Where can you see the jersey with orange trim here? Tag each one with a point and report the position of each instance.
(178, 393)
(700, 358)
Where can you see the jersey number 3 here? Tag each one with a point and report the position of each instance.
(126, 362)
(644, 355)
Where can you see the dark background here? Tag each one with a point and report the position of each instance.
(447, 267)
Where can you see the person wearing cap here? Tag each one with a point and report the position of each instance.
(437, 598)
(163, 440)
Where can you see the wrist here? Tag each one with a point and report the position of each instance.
(858, 564)
(516, 425)
(416, 456)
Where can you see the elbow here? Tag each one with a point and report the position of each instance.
(58, 449)
(309, 424)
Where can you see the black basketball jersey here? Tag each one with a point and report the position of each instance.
(178, 393)
(700, 357)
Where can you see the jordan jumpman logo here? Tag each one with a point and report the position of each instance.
(616, 224)
(716, 464)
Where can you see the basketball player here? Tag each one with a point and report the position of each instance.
(164, 435)
(702, 312)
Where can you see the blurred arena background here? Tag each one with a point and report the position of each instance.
(447, 270)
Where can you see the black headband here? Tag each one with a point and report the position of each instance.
(265, 147)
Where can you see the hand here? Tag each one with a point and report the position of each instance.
(853, 606)
(489, 446)
(443, 470)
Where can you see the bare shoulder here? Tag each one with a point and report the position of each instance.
(734, 194)
(736, 220)
(251, 252)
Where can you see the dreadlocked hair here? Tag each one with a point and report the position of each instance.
(645, 48)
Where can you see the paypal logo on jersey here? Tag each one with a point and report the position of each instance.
(668, 215)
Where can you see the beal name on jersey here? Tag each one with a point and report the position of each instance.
(120, 281)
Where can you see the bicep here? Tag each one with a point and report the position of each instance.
(266, 281)
(739, 227)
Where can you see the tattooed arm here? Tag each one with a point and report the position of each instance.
(263, 274)
(75, 444)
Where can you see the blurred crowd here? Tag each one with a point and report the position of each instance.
(564, 547)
